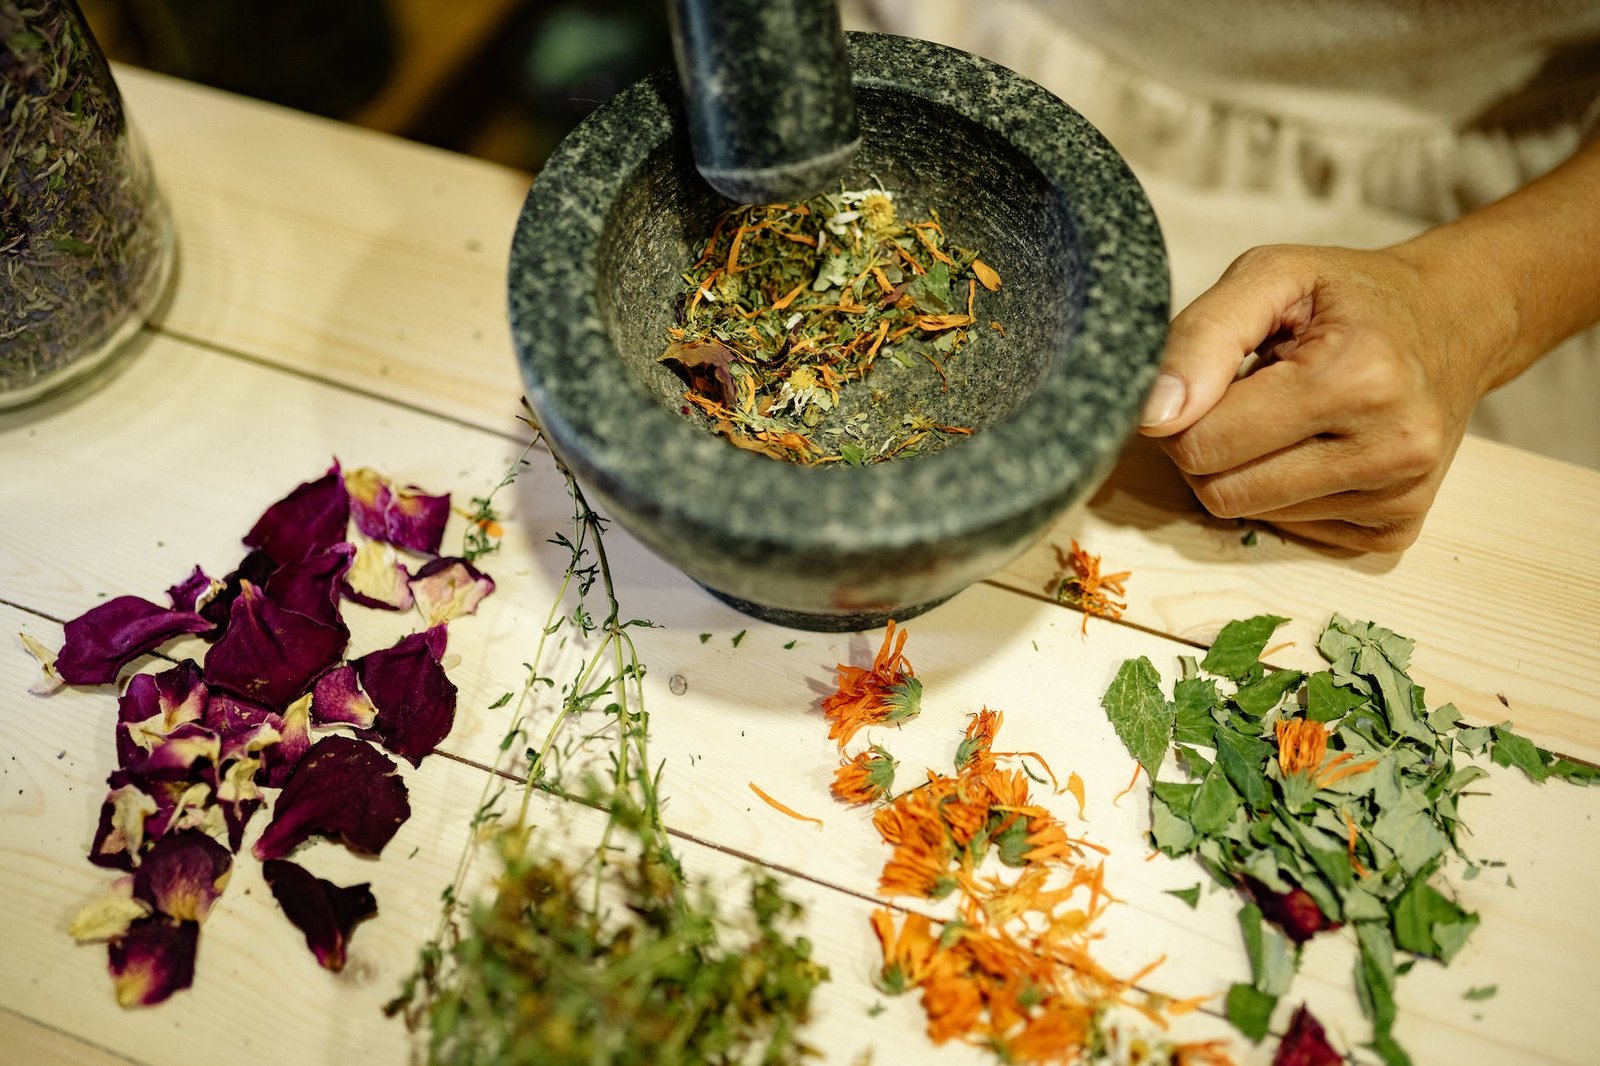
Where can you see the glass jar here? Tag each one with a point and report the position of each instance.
(86, 243)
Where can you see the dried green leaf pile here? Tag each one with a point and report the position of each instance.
(1328, 798)
(618, 958)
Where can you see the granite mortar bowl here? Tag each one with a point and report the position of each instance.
(619, 213)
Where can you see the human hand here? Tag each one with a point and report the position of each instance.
(1371, 364)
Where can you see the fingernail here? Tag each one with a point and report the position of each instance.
(1165, 401)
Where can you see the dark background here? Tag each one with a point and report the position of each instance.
(499, 79)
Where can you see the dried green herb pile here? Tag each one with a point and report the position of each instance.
(1327, 799)
(617, 958)
(790, 303)
(81, 225)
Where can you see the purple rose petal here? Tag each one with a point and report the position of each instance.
(343, 788)
(122, 829)
(1306, 1044)
(405, 517)
(255, 568)
(312, 517)
(324, 912)
(187, 594)
(337, 699)
(243, 727)
(153, 959)
(156, 704)
(101, 641)
(311, 586)
(1294, 911)
(191, 752)
(183, 875)
(183, 805)
(416, 701)
(377, 578)
(448, 588)
(280, 759)
(269, 654)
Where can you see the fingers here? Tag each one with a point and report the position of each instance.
(1343, 534)
(1262, 291)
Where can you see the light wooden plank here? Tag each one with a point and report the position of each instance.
(29, 1042)
(748, 711)
(343, 253)
(380, 264)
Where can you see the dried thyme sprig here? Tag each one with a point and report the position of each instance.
(543, 972)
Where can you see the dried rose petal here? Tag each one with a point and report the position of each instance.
(311, 586)
(242, 726)
(156, 704)
(109, 916)
(255, 568)
(337, 699)
(184, 804)
(312, 517)
(121, 832)
(183, 875)
(1294, 911)
(153, 959)
(343, 788)
(192, 592)
(239, 797)
(270, 654)
(448, 588)
(405, 517)
(416, 701)
(324, 912)
(1305, 1044)
(295, 740)
(101, 641)
(377, 578)
(47, 680)
(190, 752)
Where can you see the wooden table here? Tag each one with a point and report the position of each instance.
(341, 293)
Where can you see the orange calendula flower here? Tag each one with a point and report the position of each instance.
(976, 751)
(908, 953)
(1303, 749)
(1080, 584)
(867, 777)
(887, 691)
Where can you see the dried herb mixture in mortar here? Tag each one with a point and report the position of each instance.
(790, 304)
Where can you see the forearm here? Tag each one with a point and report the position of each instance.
(1525, 269)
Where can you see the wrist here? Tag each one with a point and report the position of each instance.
(1474, 301)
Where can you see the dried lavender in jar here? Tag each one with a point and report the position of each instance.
(85, 240)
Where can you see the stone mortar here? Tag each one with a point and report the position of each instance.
(617, 215)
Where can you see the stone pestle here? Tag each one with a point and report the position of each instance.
(766, 86)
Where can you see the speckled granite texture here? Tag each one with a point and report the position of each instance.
(619, 212)
(768, 83)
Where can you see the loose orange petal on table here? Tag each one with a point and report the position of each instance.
(781, 808)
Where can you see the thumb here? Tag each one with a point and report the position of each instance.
(1264, 290)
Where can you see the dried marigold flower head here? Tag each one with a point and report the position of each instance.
(869, 776)
(887, 691)
(1080, 584)
(1303, 749)
(977, 747)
